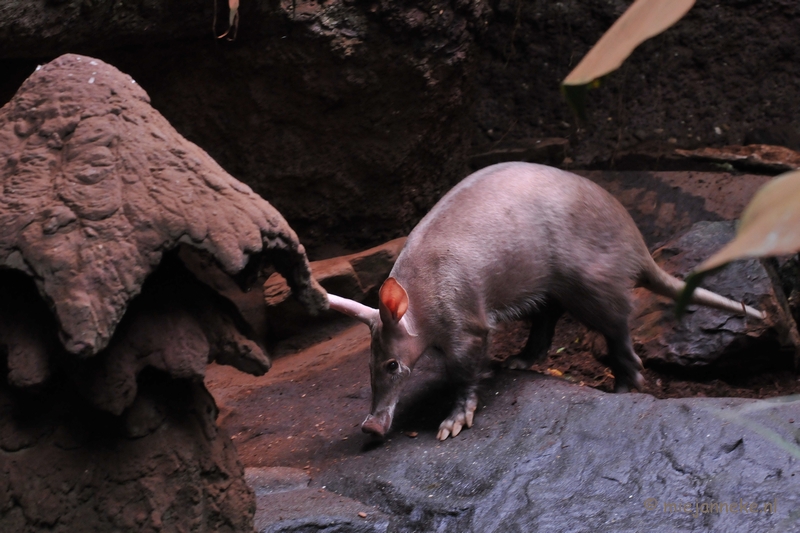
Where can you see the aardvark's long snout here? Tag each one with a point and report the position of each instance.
(377, 424)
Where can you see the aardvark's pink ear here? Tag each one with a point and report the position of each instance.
(394, 301)
(365, 314)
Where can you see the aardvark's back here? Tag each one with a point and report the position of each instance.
(512, 232)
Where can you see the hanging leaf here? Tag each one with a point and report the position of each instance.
(770, 225)
(642, 20)
(233, 20)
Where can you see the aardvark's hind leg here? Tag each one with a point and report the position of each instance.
(543, 327)
(625, 364)
(605, 307)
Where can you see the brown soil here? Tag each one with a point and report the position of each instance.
(306, 411)
(571, 358)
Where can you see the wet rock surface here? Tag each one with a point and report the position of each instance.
(286, 504)
(544, 454)
(562, 459)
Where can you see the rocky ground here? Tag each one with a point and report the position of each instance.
(546, 453)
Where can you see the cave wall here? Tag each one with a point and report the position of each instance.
(351, 130)
(727, 73)
(353, 116)
(350, 117)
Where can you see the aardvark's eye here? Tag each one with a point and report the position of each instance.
(392, 366)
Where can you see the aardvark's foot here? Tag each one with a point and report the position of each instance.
(461, 416)
(517, 362)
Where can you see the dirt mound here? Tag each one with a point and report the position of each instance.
(105, 333)
(98, 185)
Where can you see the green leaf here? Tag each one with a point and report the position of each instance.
(692, 281)
(576, 98)
(642, 20)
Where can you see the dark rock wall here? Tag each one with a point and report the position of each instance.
(353, 147)
(352, 117)
(727, 65)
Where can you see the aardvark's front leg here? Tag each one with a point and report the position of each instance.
(462, 415)
(467, 364)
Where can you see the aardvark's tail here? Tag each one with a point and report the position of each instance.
(658, 281)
